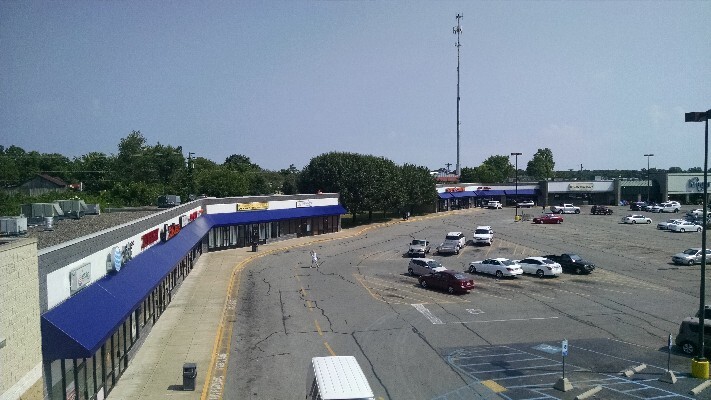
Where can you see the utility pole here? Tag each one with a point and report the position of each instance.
(457, 30)
(449, 164)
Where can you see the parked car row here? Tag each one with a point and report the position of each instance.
(667, 207)
(433, 274)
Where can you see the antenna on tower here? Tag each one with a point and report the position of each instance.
(457, 30)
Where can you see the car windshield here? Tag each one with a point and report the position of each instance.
(449, 237)
(507, 262)
(434, 264)
(460, 276)
(547, 261)
(481, 231)
(419, 242)
(691, 252)
(575, 257)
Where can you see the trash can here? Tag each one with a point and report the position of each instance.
(254, 246)
(189, 375)
(517, 218)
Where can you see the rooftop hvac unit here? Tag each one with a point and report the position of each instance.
(93, 209)
(74, 208)
(36, 212)
(13, 225)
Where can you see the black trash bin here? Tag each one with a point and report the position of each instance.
(189, 375)
(254, 246)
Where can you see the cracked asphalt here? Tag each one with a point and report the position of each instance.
(493, 342)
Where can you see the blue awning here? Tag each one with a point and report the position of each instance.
(525, 192)
(464, 194)
(255, 217)
(486, 193)
(445, 195)
(80, 325)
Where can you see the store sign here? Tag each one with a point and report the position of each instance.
(255, 205)
(483, 188)
(79, 278)
(580, 187)
(119, 256)
(169, 231)
(454, 189)
(150, 238)
(696, 185)
(303, 203)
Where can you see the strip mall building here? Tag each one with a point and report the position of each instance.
(687, 188)
(73, 315)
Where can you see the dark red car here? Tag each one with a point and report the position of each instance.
(451, 281)
(548, 219)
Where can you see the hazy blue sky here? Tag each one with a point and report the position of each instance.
(600, 83)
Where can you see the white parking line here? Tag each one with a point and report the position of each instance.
(422, 309)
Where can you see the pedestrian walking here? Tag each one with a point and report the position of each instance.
(314, 259)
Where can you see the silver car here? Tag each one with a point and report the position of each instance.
(690, 256)
(424, 266)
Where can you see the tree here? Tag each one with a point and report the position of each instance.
(495, 169)
(541, 166)
(417, 188)
(241, 163)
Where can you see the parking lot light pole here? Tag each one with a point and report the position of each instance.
(648, 155)
(516, 154)
(698, 117)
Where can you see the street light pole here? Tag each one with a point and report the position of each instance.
(516, 155)
(648, 155)
(698, 117)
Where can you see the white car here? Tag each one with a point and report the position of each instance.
(696, 213)
(456, 238)
(526, 203)
(540, 266)
(423, 266)
(494, 204)
(664, 225)
(483, 235)
(666, 207)
(636, 219)
(686, 226)
(496, 266)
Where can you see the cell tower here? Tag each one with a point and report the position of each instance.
(457, 30)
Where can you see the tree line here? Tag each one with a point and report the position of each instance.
(139, 173)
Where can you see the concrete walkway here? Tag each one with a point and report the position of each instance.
(191, 327)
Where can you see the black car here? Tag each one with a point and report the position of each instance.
(600, 210)
(572, 263)
(638, 206)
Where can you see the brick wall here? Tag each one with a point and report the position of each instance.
(21, 356)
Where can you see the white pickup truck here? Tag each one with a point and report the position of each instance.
(565, 209)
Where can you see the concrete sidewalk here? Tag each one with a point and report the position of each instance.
(188, 330)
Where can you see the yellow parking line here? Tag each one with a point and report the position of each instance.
(330, 350)
(318, 328)
(495, 387)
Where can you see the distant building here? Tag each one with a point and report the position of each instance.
(39, 185)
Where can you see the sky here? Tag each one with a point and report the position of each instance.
(600, 83)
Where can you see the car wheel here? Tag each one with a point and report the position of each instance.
(649, 221)
(411, 272)
(681, 230)
(558, 221)
(676, 210)
(540, 273)
(634, 222)
(688, 348)
(499, 274)
(698, 229)
(579, 270)
(423, 283)
(457, 252)
(450, 290)
(577, 211)
(690, 262)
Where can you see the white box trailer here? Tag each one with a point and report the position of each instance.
(337, 378)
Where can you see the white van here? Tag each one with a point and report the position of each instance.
(337, 378)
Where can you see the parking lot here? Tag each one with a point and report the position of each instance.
(501, 340)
